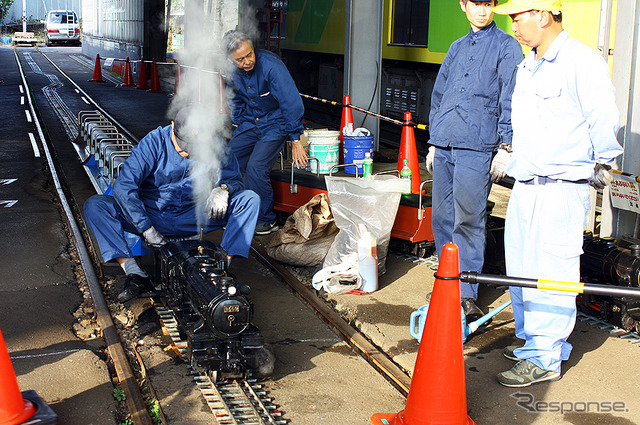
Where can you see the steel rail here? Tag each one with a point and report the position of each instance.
(95, 105)
(232, 403)
(376, 357)
(134, 400)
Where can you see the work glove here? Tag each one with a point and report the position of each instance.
(217, 204)
(429, 162)
(499, 164)
(601, 176)
(153, 238)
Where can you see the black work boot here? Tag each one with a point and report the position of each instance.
(471, 311)
(133, 286)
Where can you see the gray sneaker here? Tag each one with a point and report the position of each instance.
(266, 228)
(525, 373)
(508, 352)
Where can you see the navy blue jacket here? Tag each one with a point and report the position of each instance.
(266, 98)
(155, 177)
(471, 99)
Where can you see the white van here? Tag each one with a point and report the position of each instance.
(61, 26)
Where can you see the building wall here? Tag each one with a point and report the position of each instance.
(37, 10)
(114, 28)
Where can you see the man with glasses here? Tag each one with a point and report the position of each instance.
(564, 121)
(267, 109)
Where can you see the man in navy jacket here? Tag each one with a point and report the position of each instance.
(156, 196)
(470, 130)
(267, 110)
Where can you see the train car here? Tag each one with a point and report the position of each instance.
(415, 39)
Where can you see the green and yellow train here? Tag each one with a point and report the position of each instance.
(416, 36)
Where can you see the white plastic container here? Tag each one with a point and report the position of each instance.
(367, 260)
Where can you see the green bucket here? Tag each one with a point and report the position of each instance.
(324, 145)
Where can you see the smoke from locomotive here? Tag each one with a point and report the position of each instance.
(213, 312)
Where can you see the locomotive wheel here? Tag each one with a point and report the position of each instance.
(628, 323)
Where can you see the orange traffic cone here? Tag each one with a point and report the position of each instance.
(142, 76)
(409, 151)
(13, 408)
(128, 75)
(97, 72)
(155, 80)
(346, 123)
(438, 394)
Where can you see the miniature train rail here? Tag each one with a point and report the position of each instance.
(232, 402)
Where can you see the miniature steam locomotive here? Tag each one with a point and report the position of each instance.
(608, 261)
(212, 310)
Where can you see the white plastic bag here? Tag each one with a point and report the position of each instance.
(373, 202)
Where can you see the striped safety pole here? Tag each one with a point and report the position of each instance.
(365, 111)
(553, 285)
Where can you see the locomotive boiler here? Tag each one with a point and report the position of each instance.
(613, 262)
(212, 310)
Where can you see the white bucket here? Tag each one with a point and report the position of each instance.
(324, 145)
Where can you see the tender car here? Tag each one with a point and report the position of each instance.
(61, 26)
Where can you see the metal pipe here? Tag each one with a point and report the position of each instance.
(552, 285)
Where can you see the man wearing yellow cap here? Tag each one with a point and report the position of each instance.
(564, 122)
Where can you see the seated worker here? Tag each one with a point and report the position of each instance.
(267, 109)
(155, 196)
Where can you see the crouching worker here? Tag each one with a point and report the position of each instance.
(163, 192)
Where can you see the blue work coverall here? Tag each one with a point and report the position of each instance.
(267, 108)
(156, 188)
(470, 116)
(565, 120)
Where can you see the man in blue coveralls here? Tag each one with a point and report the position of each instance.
(565, 122)
(267, 109)
(155, 196)
(470, 130)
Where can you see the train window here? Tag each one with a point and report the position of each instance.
(410, 22)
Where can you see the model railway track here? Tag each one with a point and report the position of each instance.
(232, 402)
(238, 402)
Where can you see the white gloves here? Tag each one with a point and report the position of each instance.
(429, 162)
(153, 238)
(601, 176)
(499, 164)
(217, 204)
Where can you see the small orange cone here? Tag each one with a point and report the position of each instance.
(142, 76)
(128, 75)
(438, 394)
(409, 151)
(97, 72)
(155, 80)
(13, 408)
(346, 123)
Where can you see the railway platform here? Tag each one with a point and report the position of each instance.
(39, 295)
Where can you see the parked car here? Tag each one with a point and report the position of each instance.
(61, 26)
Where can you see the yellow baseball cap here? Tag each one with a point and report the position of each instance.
(518, 6)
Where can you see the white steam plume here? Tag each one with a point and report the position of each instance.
(200, 84)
